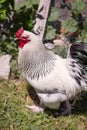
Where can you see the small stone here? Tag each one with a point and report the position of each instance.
(49, 46)
(5, 66)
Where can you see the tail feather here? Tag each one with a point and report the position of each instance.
(79, 52)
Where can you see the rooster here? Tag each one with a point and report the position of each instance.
(55, 79)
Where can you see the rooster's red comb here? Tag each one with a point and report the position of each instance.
(19, 32)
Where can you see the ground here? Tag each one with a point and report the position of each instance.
(14, 116)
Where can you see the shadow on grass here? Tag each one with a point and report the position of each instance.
(80, 106)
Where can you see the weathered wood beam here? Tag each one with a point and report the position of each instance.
(41, 17)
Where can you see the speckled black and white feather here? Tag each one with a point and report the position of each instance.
(78, 52)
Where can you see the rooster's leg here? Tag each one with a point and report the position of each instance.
(67, 108)
(34, 108)
(37, 109)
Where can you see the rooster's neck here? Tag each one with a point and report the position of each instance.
(36, 62)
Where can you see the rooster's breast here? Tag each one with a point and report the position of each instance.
(58, 79)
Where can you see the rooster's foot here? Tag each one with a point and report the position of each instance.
(34, 108)
(67, 108)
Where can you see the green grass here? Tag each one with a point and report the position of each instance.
(14, 116)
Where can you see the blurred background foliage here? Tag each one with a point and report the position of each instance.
(13, 15)
(70, 16)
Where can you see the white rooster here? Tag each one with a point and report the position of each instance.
(54, 79)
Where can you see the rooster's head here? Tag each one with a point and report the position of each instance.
(23, 37)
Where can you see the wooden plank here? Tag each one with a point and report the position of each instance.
(41, 18)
